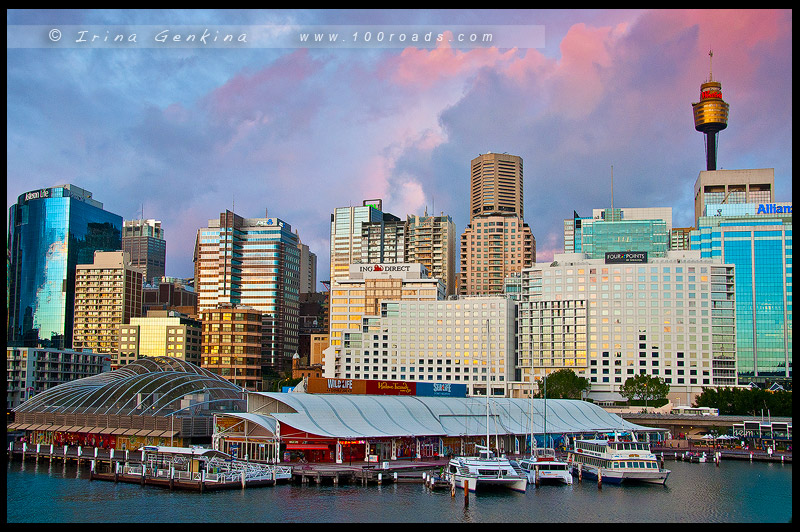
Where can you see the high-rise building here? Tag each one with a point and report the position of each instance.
(731, 187)
(757, 239)
(384, 241)
(108, 293)
(679, 238)
(232, 345)
(496, 185)
(346, 236)
(497, 242)
(169, 293)
(50, 232)
(253, 262)
(627, 314)
(144, 241)
(493, 247)
(432, 242)
(599, 237)
(308, 269)
(161, 333)
(710, 115)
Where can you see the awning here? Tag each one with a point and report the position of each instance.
(88, 429)
(307, 446)
(105, 430)
(13, 426)
(169, 433)
(119, 431)
(146, 432)
(130, 432)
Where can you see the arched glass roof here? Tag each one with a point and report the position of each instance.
(153, 386)
(359, 416)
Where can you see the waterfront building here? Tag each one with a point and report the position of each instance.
(497, 242)
(732, 186)
(50, 232)
(422, 426)
(108, 293)
(33, 370)
(144, 241)
(628, 314)
(346, 235)
(432, 242)
(232, 344)
(153, 401)
(757, 239)
(467, 341)
(160, 333)
(169, 293)
(361, 293)
(253, 262)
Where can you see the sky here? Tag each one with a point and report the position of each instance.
(182, 132)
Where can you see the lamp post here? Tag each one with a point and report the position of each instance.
(645, 397)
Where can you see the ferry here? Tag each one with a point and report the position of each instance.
(548, 467)
(486, 469)
(616, 460)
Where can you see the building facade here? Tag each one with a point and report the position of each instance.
(732, 186)
(145, 243)
(496, 185)
(308, 270)
(232, 345)
(161, 333)
(253, 262)
(108, 293)
(169, 293)
(432, 243)
(599, 237)
(50, 232)
(467, 341)
(31, 370)
(346, 236)
(757, 239)
(493, 247)
(628, 314)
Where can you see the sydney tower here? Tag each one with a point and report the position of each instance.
(710, 116)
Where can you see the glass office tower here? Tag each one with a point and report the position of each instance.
(50, 232)
(757, 239)
(599, 237)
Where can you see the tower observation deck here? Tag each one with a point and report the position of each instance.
(710, 115)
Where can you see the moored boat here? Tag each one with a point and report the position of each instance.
(616, 460)
(544, 467)
(484, 470)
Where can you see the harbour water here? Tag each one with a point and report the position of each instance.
(736, 491)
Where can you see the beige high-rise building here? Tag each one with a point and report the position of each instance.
(497, 242)
(494, 247)
(108, 293)
(162, 333)
(732, 186)
(496, 185)
(432, 243)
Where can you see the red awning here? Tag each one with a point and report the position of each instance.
(307, 446)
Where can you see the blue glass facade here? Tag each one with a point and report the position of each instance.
(760, 247)
(600, 237)
(51, 231)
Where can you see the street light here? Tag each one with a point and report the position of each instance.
(645, 397)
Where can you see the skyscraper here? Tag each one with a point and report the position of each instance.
(431, 241)
(50, 232)
(710, 115)
(108, 293)
(497, 242)
(346, 236)
(253, 262)
(144, 241)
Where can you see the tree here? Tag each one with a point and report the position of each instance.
(644, 387)
(746, 401)
(563, 384)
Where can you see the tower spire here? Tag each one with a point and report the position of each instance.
(710, 59)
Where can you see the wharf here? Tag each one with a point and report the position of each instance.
(691, 455)
(366, 473)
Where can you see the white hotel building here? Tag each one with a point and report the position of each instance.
(469, 340)
(609, 319)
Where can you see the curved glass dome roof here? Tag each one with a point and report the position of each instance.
(153, 386)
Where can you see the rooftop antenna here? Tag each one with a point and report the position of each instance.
(710, 58)
(612, 192)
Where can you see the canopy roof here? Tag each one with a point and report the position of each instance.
(359, 416)
(153, 386)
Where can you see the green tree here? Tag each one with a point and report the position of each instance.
(644, 387)
(563, 384)
(746, 401)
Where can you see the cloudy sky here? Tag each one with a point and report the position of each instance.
(183, 132)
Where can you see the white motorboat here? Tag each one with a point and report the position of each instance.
(544, 467)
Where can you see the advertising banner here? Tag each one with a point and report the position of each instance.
(441, 389)
(391, 388)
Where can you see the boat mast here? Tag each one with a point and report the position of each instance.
(489, 359)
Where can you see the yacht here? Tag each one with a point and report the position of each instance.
(544, 465)
(486, 469)
(616, 460)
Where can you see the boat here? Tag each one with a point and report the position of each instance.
(616, 460)
(485, 469)
(543, 466)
